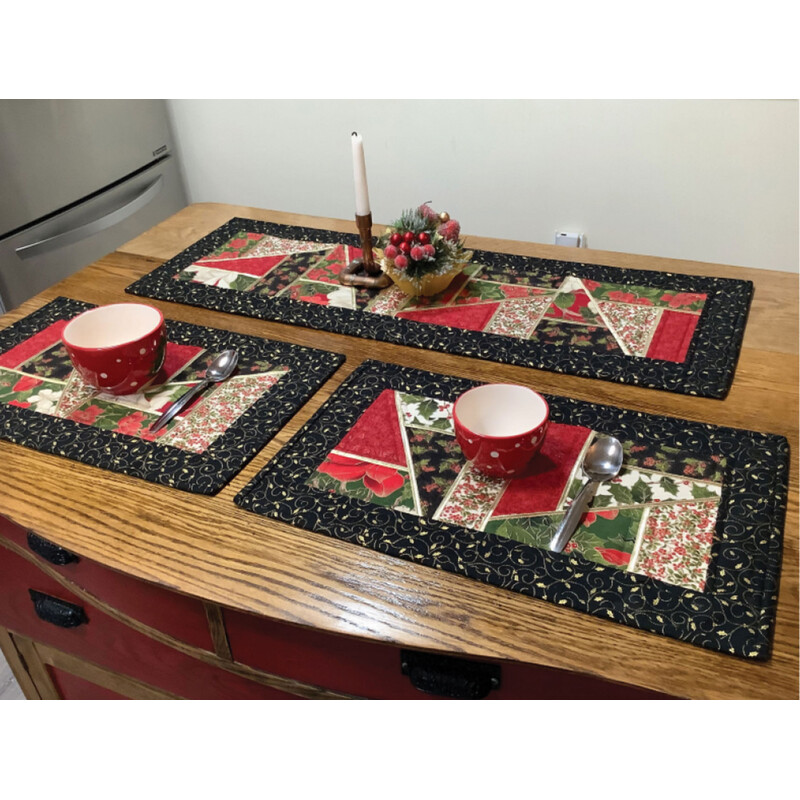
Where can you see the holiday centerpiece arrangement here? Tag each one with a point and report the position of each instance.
(422, 252)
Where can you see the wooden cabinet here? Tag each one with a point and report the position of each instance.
(181, 617)
(35, 605)
(83, 631)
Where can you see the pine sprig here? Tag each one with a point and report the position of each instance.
(412, 220)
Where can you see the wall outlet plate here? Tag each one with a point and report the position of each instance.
(568, 239)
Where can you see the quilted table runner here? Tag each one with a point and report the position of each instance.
(680, 333)
(46, 406)
(685, 542)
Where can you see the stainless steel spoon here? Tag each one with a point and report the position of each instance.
(602, 462)
(220, 369)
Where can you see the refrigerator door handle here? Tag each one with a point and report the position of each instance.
(73, 235)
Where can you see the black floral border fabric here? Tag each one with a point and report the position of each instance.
(735, 612)
(199, 473)
(707, 371)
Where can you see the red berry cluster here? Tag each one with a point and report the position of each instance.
(450, 230)
(403, 246)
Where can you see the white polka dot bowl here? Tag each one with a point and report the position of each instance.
(500, 427)
(117, 348)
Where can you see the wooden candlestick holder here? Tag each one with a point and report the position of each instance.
(364, 271)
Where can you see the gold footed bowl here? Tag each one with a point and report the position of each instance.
(427, 285)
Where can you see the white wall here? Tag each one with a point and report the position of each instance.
(705, 180)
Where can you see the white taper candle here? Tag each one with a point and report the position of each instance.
(360, 175)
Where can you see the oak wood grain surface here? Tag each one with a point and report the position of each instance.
(209, 548)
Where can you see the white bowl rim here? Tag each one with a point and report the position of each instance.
(105, 309)
(517, 435)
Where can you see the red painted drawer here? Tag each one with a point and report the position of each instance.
(12, 531)
(108, 643)
(71, 687)
(335, 662)
(179, 616)
(375, 671)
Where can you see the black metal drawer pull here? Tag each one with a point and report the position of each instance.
(57, 612)
(449, 677)
(49, 551)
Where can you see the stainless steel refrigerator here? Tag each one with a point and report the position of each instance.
(78, 178)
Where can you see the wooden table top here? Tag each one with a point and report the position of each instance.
(209, 548)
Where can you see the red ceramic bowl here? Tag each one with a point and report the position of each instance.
(117, 348)
(500, 427)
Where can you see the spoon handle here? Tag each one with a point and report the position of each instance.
(573, 516)
(180, 403)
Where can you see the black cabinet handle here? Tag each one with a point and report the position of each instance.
(449, 677)
(57, 612)
(49, 551)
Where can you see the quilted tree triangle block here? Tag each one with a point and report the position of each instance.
(572, 303)
(472, 317)
(254, 265)
(377, 434)
(633, 326)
